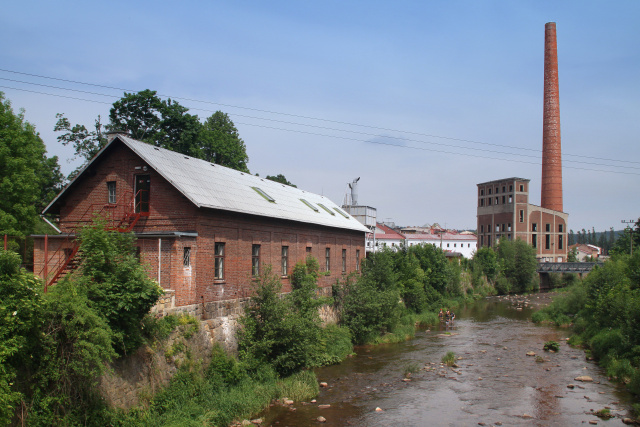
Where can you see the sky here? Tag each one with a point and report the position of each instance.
(422, 100)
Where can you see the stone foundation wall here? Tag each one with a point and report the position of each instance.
(133, 380)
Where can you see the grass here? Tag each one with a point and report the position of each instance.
(449, 359)
(406, 327)
(551, 346)
(226, 393)
(411, 368)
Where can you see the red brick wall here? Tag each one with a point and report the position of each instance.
(169, 211)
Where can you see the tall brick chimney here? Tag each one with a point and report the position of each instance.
(551, 147)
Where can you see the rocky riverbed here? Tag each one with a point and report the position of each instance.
(501, 376)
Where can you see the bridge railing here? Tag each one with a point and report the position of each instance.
(567, 267)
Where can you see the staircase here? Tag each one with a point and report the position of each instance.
(121, 217)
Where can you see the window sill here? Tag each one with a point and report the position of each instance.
(219, 281)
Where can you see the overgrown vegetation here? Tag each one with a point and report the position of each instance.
(54, 346)
(604, 313)
(226, 391)
(449, 359)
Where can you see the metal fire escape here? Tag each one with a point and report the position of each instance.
(120, 217)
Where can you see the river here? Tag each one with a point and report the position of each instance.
(495, 383)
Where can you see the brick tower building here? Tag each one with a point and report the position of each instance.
(503, 208)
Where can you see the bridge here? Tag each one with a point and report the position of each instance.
(567, 267)
(545, 268)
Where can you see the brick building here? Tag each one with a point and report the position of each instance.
(204, 231)
(504, 211)
(503, 205)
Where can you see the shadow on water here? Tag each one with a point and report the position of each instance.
(494, 381)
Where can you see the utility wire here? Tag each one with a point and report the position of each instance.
(347, 131)
(374, 141)
(303, 117)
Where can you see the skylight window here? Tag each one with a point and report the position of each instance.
(263, 194)
(341, 213)
(326, 209)
(310, 205)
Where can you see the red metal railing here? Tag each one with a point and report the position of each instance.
(120, 216)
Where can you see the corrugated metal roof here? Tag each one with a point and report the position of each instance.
(213, 186)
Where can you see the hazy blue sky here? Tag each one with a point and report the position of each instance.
(422, 100)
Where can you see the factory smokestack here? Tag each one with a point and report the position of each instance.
(551, 147)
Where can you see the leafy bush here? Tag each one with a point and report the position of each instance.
(518, 264)
(608, 342)
(369, 311)
(337, 345)
(503, 286)
(485, 262)
(551, 346)
(283, 332)
(115, 283)
(449, 359)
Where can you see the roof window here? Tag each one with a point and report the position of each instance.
(341, 213)
(326, 209)
(265, 195)
(309, 204)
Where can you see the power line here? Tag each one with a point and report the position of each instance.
(431, 150)
(334, 129)
(302, 117)
(373, 141)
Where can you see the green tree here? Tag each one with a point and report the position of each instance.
(281, 179)
(371, 303)
(487, 260)
(627, 241)
(115, 282)
(220, 143)
(21, 300)
(281, 331)
(434, 264)
(162, 123)
(28, 178)
(518, 264)
(85, 143)
(572, 256)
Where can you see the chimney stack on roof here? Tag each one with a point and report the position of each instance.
(551, 147)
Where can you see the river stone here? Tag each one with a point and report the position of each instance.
(628, 421)
(531, 353)
(594, 422)
(378, 409)
(323, 384)
(288, 402)
(571, 386)
(257, 421)
(324, 406)
(246, 422)
(583, 378)
(313, 401)
(321, 419)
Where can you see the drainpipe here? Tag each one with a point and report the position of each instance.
(46, 261)
(159, 260)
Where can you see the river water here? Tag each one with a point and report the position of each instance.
(495, 383)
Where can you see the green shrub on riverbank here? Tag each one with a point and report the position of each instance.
(399, 290)
(225, 394)
(55, 346)
(605, 312)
